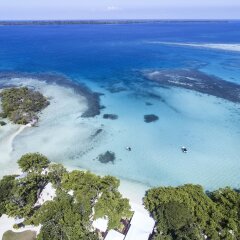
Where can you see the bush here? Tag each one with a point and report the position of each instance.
(2, 123)
(187, 212)
(31, 162)
(7, 184)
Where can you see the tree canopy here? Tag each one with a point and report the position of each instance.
(62, 219)
(6, 191)
(33, 162)
(187, 212)
(101, 193)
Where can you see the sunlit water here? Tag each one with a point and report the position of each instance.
(109, 59)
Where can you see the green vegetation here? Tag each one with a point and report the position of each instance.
(112, 204)
(187, 212)
(67, 216)
(21, 105)
(6, 192)
(101, 193)
(25, 194)
(33, 162)
(26, 235)
(56, 172)
(62, 219)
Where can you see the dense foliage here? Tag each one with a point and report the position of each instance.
(2, 123)
(33, 162)
(187, 212)
(80, 198)
(6, 192)
(21, 105)
(101, 193)
(25, 194)
(62, 219)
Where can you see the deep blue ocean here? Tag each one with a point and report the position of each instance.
(114, 56)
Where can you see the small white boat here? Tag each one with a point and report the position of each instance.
(129, 149)
(184, 149)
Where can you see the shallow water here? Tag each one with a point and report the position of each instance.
(109, 59)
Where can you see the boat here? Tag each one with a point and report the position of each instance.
(184, 149)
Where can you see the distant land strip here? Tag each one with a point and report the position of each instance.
(126, 21)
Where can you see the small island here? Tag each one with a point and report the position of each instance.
(22, 105)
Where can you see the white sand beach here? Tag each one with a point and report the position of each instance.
(8, 133)
(134, 191)
(6, 223)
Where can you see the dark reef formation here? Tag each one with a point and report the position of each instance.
(93, 98)
(110, 116)
(102, 107)
(97, 132)
(150, 118)
(148, 103)
(107, 157)
(116, 89)
(196, 80)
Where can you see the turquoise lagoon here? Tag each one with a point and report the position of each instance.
(111, 60)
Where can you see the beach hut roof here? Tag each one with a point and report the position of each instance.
(136, 233)
(141, 227)
(143, 221)
(101, 224)
(114, 235)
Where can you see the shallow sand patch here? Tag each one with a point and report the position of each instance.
(61, 132)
